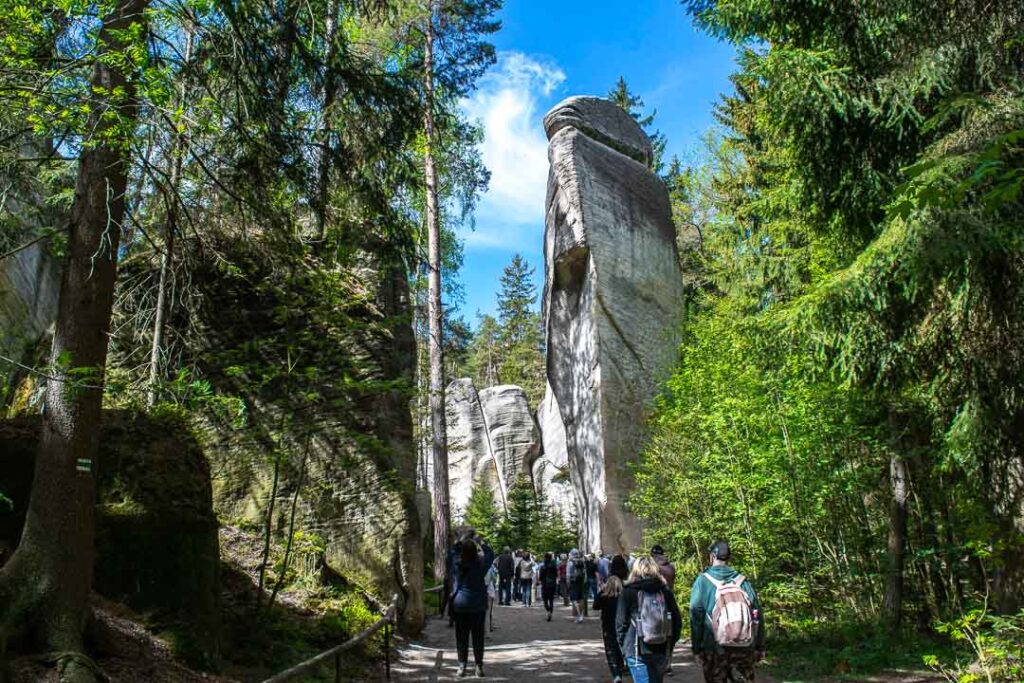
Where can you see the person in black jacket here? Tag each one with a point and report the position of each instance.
(506, 570)
(646, 661)
(469, 602)
(548, 577)
(607, 602)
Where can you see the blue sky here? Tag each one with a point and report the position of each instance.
(549, 50)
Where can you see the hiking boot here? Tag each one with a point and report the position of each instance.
(463, 670)
(479, 670)
(549, 616)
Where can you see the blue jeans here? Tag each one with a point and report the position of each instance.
(528, 592)
(647, 668)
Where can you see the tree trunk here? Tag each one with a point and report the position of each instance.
(330, 88)
(435, 313)
(167, 258)
(46, 583)
(899, 486)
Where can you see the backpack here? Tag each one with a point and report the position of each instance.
(732, 620)
(526, 570)
(653, 621)
(579, 571)
(549, 575)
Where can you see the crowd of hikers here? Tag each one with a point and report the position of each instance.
(640, 618)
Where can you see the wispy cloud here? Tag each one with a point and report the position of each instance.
(514, 148)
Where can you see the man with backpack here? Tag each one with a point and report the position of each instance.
(726, 623)
(576, 574)
(647, 622)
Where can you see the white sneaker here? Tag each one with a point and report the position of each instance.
(579, 619)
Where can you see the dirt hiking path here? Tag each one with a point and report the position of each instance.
(524, 647)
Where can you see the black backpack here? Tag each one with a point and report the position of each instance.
(579, 571)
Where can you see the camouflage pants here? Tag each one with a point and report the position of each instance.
(736, 666)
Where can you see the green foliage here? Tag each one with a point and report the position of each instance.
(482, 512)
(633, 105)
(521, 361)
(992, 648)
(855, 285)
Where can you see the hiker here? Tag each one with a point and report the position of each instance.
(469, 604)
(592, 579)
(548, 576)
(603, 566)
(517, 585)
(563, 582)
(608, 602)
(506, 571)
(491, 581)
(576, 575)
(647, 622)
(526, 579)
(668, 572)
(726, 623)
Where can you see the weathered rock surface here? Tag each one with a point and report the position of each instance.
(156, 532)
(492, 438)
(551, 469)
(513, 434)
(612, 304)
(470, 456)
(29, 285)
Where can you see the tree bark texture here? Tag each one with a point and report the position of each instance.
(45, 585)
(899, 486)
(435, 315)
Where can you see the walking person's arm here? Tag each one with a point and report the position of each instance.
(698, 613)
(622, 616)
(677, 617)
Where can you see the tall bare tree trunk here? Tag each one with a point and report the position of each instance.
(896, 550)
(167, 258)
(45, 585)
(330, 88)
(435, 315)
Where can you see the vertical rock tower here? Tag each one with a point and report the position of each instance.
(612, 304)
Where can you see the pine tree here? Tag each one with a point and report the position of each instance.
(523, 514)
(484, 353)
(633, 105)
(522, 362)
(482, 512)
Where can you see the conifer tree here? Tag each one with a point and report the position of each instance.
(633, 105)
(522, 362)
(482, 512)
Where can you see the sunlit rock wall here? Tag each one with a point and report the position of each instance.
(612, 304)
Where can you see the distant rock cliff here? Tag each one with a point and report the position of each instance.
(492, 438)
(612, 305)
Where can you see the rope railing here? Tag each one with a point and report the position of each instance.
(385, 622)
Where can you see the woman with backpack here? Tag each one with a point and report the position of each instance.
(576, 574)
(647, 622)
(526, 579)
(608, 602)
(548, 576)
(469, 602)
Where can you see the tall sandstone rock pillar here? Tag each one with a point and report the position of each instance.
(612, 304)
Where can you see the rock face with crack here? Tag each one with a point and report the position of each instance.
(492, 438)
(551, 469)
(612, 304)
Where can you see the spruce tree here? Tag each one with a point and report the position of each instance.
(482, 512)
(522, 362)
(523, 514)
(633, 105)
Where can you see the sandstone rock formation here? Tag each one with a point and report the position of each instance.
(612, 304)
(29, 284)
(551, 469)
(492, 438)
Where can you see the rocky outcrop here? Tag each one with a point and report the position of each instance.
(612, 304)
(29, 285)
(492, 438)
(156, 531)
(551, 469)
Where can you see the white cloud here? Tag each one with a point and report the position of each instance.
(514, 147)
